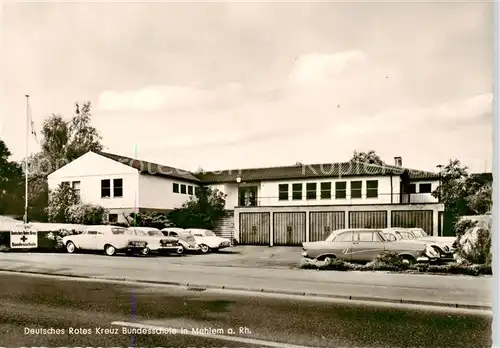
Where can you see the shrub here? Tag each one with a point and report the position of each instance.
(474, 242)
(204, 211)
(150, 219)
(337, 265)
(60, 200)
(86, 214)
(58, 235)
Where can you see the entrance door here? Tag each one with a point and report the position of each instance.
(247, 196)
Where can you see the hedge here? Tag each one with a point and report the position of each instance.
(48, 241)
(451, 268)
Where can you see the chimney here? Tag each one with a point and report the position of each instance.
(398, 161)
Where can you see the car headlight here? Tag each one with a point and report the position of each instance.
(430, 251)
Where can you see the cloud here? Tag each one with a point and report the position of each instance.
(316, 68)
(337, 100)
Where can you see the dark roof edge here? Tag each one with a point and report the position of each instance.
(126, 159)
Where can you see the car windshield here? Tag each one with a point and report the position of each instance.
(203, 233)
(392, 236)
(155, 233)
(118, 230)
(381, 236)
(404, 235)
(331, 237)
(419, 233)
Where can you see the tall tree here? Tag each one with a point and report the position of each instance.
(11, 177)
(83, 137)
(62, 142)
(462, 193)
(370, 157)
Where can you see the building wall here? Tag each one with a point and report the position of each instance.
(157, 192)
(268, 192)
(269, 225)
(89, 170)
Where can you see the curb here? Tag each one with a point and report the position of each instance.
(202, 287)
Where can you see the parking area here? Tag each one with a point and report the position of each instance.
(245, 256)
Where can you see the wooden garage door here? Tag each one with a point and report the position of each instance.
(289, 228)
(321, 224)
(368, 219)
(255, 228)
(413, 218)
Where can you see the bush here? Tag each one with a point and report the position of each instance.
(57, 237)
(86, 214)
(474, 242)
(60, 200)
(388, 261)
(204, 211)
(47, 241)
(150, 219)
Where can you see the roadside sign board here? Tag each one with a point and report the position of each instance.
(23, 238)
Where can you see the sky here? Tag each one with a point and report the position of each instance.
(241, 85)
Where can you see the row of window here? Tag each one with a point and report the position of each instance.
(107, 189)
(326, 190)
(356, 190)
(422, 188)
(185, 189)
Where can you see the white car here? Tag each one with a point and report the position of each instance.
(110, 239)
(208, 241)
(156, 241)
(444, 243)
(186, 239)
(401, 234)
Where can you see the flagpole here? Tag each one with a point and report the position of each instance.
(26, 164)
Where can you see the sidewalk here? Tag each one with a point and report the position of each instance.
(455, 291)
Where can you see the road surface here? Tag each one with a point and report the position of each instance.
(86, 309)
(438, 289)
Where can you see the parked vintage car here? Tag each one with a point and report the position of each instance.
(364, 245)
(156, 241)
(444, 243)
(405, 234)
(208, 241)
(185, 238)
(110, 239)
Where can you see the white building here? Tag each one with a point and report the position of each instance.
(121, 184)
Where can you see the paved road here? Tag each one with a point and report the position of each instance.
(30, 302)
(461, 290)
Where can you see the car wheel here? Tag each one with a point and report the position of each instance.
(70, 247)
(110, 250)
(204, 248)
(145, 251)
(408, 260)
(328, 259)
(180, 250)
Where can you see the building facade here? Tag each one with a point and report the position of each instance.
(261, 203)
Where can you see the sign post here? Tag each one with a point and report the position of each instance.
(24, 238)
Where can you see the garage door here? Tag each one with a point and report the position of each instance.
(254, 228)
(321, 224)
(368, 219)
(413, 218)
(289, 228)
